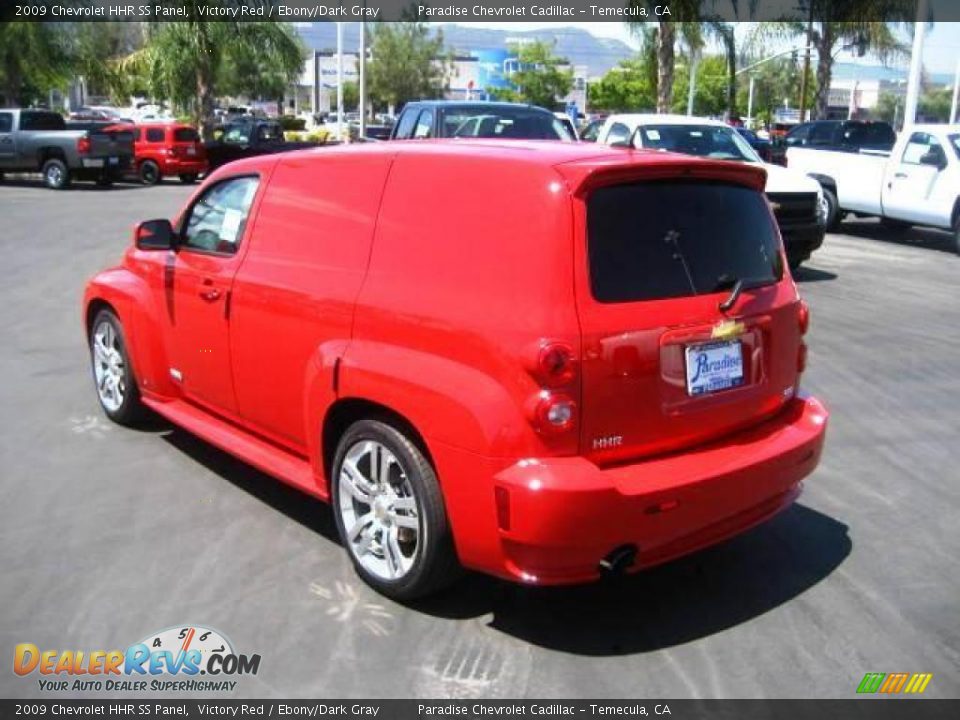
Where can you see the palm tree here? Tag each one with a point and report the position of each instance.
(182, 60)
(844, 27)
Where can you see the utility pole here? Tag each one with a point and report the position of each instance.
(804, 79)
(750, 104)
(340, 81)
(362, 80)
(916, 65)
(956, 91)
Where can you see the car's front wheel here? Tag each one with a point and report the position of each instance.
(112, 373)
(389, 512)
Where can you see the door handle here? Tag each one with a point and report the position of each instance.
(209, 293)
(900, 175)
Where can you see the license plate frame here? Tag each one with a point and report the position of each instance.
(713, 367)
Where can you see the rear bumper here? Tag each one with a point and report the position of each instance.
(801, 240)
(566, 514)
(176, 166)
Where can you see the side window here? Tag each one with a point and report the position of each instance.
(618, 133)
(136, 134)
(920, 144)
(154, 135)
(424, 127)
(799, 135)
(821, 134)
(405, 128)
(216, 221)
(6, 122)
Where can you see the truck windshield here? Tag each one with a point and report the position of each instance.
(670, 239)
(712, 141)
(491, 121)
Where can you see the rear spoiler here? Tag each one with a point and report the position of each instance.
(626, 166)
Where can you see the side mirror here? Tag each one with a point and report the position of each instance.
(934, 158)
(155, 235)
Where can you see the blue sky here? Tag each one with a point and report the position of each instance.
(940, 54)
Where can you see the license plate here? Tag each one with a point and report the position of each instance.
(113, 161)
(714, 366)
(92, 162)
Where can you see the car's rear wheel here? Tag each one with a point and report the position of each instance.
(831, 210)
(56, 174)
(112, 373)
(389, 512)
(149, 173)
(188, 178)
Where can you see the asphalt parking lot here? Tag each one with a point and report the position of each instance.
(108, 535)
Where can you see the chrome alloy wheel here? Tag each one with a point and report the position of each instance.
(824, 208)
(379, 510)
(109, 367)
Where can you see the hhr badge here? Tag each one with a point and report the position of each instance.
(609, 441)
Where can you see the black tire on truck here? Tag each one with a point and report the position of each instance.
(56, 174)
(833, 209)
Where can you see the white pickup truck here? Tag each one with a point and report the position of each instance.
(916, 183)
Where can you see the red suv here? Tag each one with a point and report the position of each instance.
(163, 149)
(544, 361)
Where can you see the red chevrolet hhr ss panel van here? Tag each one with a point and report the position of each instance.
(542, 361)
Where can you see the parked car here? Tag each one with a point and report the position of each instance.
(168, 149)
(567, 123)
(39, 141)
(917, 183)
(797, 202)
(842, 135)
(591, 130)
(544, 361)
(245, 138)
(770, 151)
(453, 119)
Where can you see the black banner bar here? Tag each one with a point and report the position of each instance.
(560, 11)
(859, 709)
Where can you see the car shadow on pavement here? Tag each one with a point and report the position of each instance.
(805, 274)
(37, 184)
(910, 236)
(690, 598)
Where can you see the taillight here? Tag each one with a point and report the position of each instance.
(803, 317)
(555, 412)
(557, 365)
(83, 145)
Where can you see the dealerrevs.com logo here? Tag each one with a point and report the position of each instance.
(188, 658)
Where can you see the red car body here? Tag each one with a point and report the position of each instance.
(428, 280)
(174, 149)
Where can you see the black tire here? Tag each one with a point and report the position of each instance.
(833, 219)
(2, 178)
(56, 174)
(188, 178)
(149, 173)
(131, 410)
(435, 565)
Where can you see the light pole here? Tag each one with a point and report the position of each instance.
(956, 91)
(340, 81)
(362, 80)
(692, 85)
(750, 104)
(916, 65)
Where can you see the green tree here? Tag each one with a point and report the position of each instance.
(406, 63)
(627, 87)
(710, 96)
(774, 82)
(934, 104)
(843, 27)
(33, 60)
(95, 49)
(540, 79)
(184, 61)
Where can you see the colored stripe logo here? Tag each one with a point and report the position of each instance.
(893, 683)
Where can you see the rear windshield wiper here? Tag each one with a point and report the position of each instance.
(737, 286)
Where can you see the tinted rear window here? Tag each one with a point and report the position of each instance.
(657, 240)
(185, 135)
(41, 121)
(502, 121)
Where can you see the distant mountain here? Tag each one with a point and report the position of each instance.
(575, 44)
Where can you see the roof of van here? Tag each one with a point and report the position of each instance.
(576, 161)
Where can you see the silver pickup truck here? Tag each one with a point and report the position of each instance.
(39, 141)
